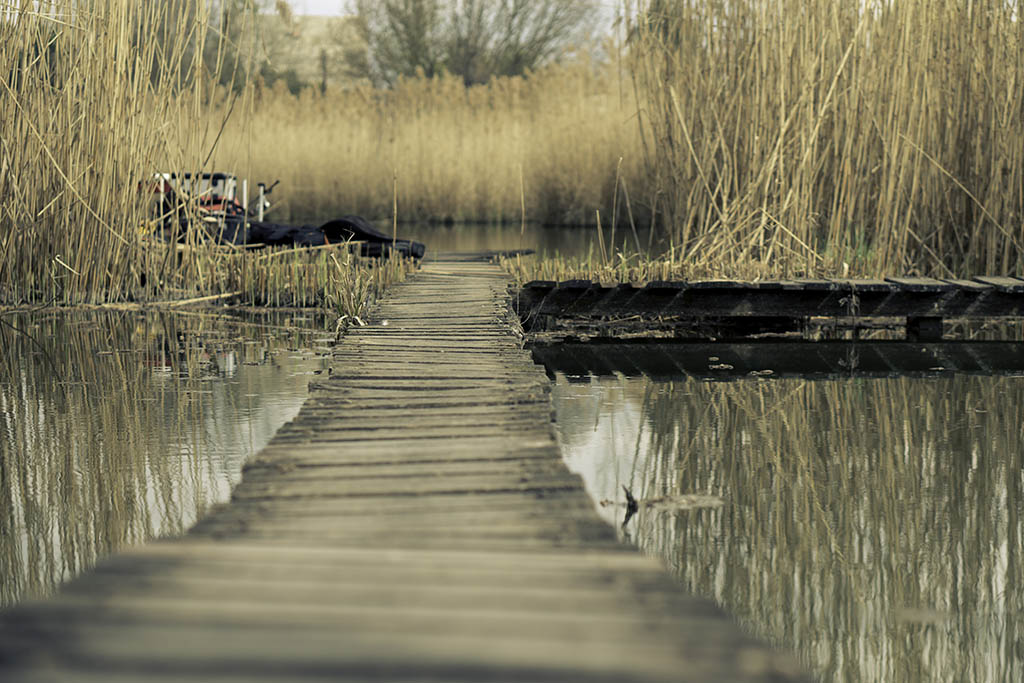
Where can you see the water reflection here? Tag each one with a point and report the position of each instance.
(565, 241)
(873, 525)
(119, 427)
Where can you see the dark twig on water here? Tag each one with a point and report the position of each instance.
(631, 505)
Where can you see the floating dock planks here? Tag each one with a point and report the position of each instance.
(730, 309)
(414, 522)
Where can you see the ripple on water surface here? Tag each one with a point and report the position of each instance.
(116, 428)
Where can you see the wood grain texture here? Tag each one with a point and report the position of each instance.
(414, 522)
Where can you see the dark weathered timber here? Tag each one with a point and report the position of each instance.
(414, 522)
(723, 308)
(807, 360)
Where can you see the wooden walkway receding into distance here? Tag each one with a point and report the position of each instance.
(415, 522)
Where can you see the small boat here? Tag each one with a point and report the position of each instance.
(227, 219)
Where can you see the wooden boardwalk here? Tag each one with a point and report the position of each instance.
(415, 522)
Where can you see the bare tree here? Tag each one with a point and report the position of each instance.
(475, 39)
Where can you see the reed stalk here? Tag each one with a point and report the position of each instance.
(95, 97)
(811, 137)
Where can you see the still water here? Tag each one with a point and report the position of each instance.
(873, 525)
(573, 242)
(116, 428)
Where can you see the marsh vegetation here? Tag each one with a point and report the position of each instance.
(758, 138)
(792, 138)
(755, 138)
(95, 99)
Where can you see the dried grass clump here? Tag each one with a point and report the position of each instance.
(630, 266)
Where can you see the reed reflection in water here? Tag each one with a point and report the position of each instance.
(871, 525)
(119, 427)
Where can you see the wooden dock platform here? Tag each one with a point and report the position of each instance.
(727, 309)
(415, 522)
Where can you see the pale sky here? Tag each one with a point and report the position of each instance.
(318, 7)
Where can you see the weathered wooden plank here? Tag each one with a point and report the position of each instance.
(538, 598)
(970, 285)
(865, 285)
(921, 284)
(328, 409)
(313, 649)
(508, 393)
(300, 472)
(198, 556)
(1003, 284)
(351, 423)
(556, 505)
(384, 616)
(393, 486)
(254, 554)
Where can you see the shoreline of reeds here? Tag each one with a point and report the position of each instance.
(876, 137)
(757, 138)
(551, 148)
(771, 137)
(94, 100)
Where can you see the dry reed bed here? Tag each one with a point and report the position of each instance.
(551, 144)
(81, 124)
(766, 137)
(332, 277)
(94, 98)
(806, 136)
(630, 266)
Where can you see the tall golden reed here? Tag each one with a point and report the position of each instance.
(84, 93)
(805, 134)
(458, 153)
(97, 96)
